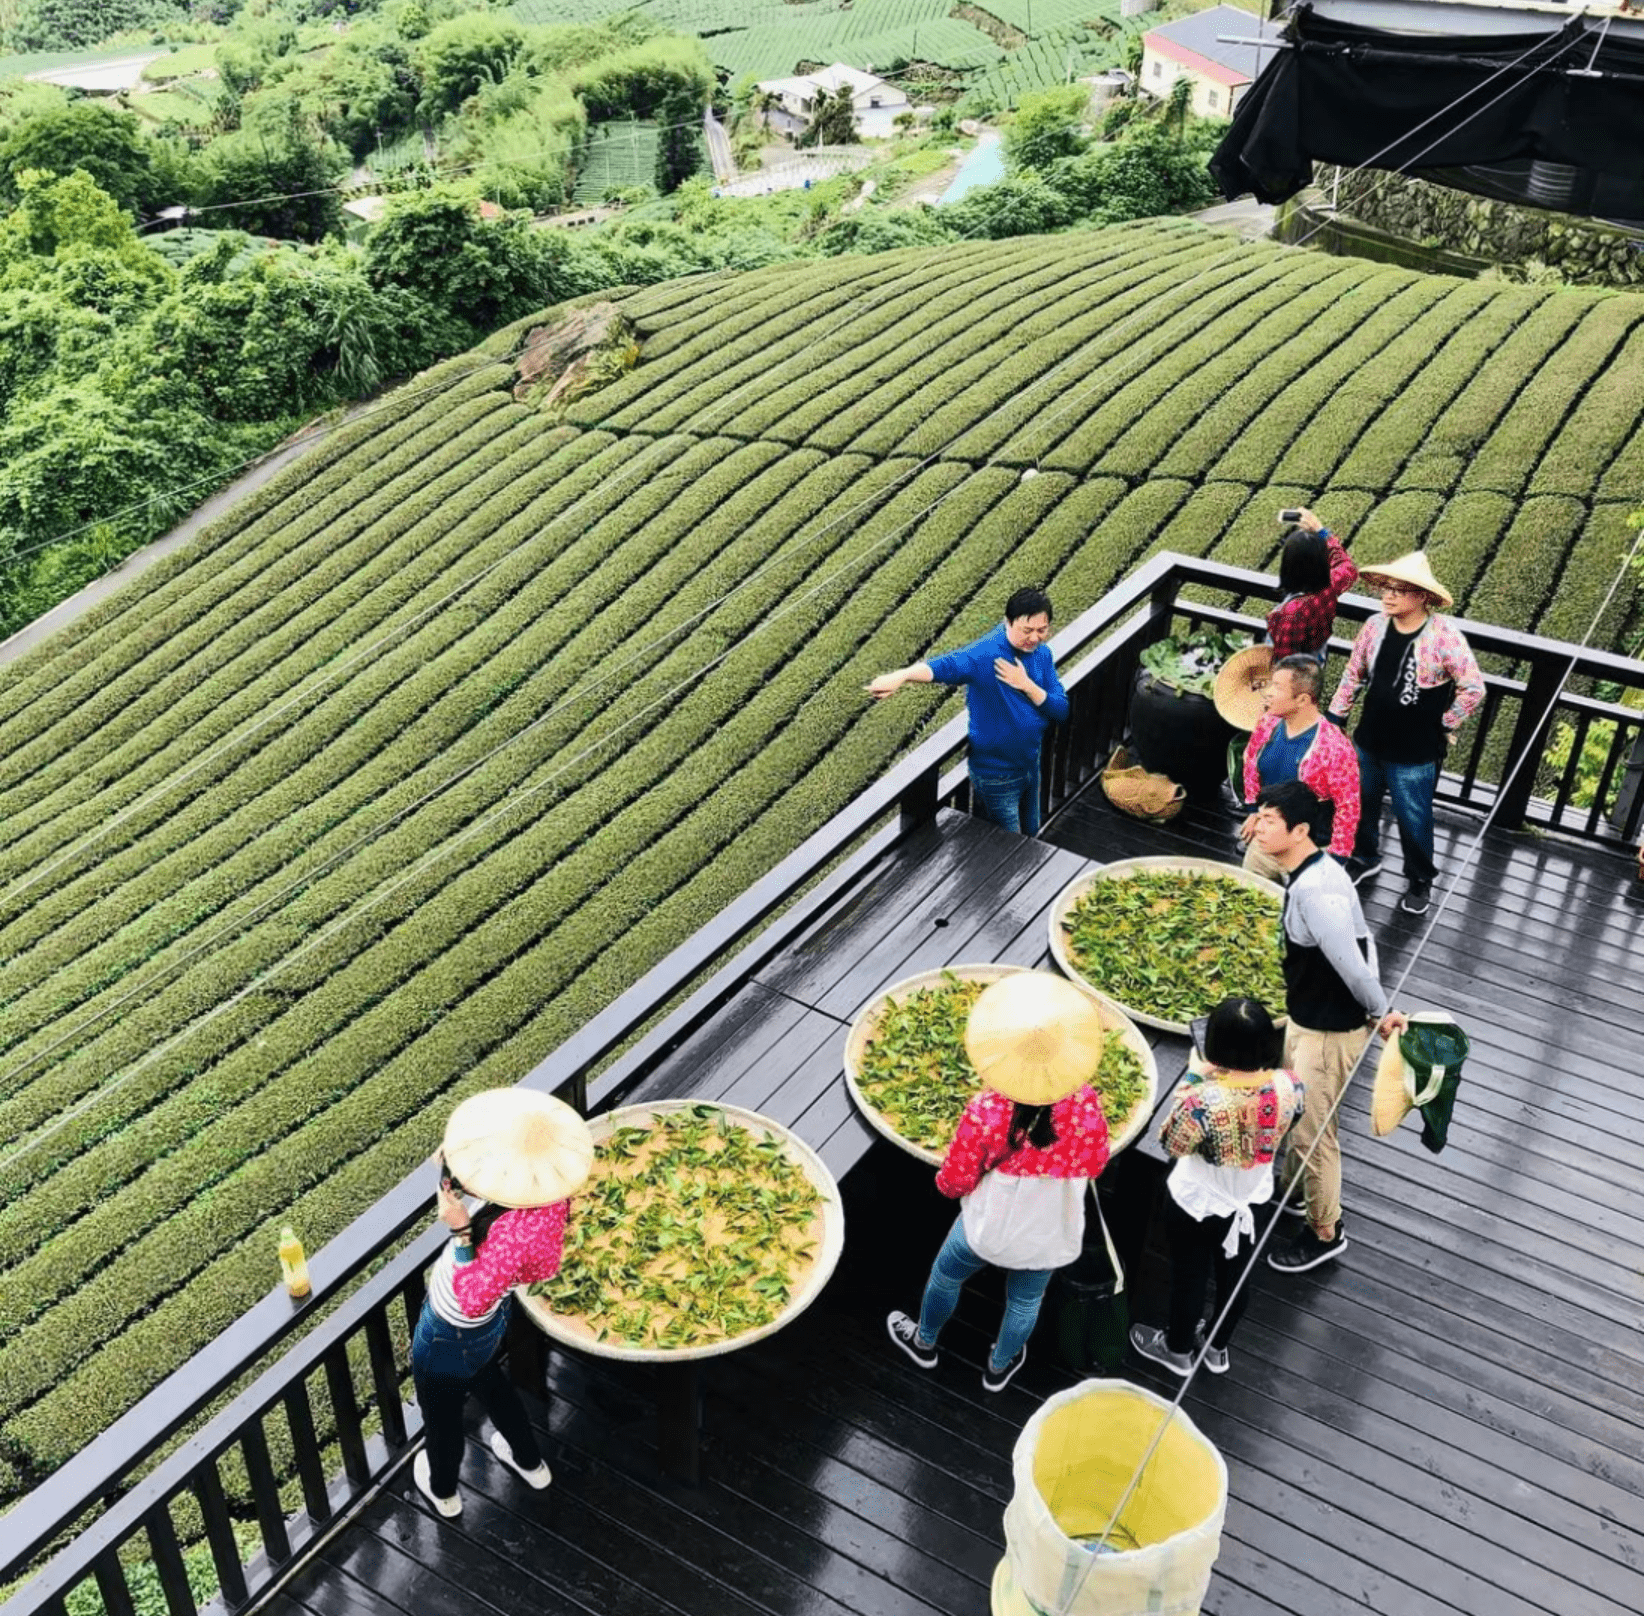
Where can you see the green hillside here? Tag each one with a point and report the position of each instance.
(382, 787)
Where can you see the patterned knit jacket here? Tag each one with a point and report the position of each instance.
(1329, 768)
(982, 1143)
(1442, 653)
(1232, 1124)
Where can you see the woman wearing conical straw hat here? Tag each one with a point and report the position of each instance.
(523, 1154)
(1025, 1149)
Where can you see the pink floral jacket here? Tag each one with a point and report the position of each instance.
(1442, 653)
(983, 1143)
(1329, 768)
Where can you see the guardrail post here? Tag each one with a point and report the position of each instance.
(918, 802)
(1529, 742)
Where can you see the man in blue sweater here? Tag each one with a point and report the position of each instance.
(1013, 695)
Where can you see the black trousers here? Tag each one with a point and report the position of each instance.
(1195, 1256)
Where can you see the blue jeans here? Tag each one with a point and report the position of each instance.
(1011, 800)
(1411, 786)
(955, 1263)
(450, 1363)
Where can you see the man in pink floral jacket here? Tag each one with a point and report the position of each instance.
(1421, 681)
(1290, 743)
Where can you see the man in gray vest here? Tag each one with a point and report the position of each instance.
(1333, 996)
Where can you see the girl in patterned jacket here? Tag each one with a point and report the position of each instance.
(1025, 1150)
(1229, 1117)
(524, 1154)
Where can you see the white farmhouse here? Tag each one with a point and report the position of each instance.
(877, 103)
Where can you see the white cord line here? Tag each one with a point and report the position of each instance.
(1474, 846)
(578, 694)
(645, 652)
(335, 673)
(23, 885)
(514, 799)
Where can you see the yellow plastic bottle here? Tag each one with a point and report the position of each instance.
(293, 1263)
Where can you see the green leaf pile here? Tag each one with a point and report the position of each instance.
(916, 1075)
(690, 1231)
(1174, 946)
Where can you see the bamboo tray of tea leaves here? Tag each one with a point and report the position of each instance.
(1162, 966)
(672, 1253)
(916, 1099)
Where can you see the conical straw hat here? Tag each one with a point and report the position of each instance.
(1413, 569)
(1390, 1100)
(518, 1147)
(1241, 686)
(1034, 1037)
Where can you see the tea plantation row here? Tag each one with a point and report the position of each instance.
(379, 790)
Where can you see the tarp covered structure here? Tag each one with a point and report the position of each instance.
(1553, 118)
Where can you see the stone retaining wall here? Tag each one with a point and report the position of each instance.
(1580, 250)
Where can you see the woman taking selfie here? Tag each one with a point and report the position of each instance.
(523, 1154)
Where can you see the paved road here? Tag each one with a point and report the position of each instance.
(719, 148)
(139, 561)
(1247, 218)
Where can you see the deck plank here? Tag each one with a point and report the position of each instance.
(1448, 1422)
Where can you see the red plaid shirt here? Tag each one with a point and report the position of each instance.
(1303, 625)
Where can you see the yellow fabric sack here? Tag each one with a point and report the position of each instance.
(1072, 1464)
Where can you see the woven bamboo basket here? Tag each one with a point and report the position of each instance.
(1117, 871)
(829, 1234)
(862, 1030)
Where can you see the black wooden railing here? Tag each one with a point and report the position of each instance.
(350, 1360)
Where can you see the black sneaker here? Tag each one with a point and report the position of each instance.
(1307, 1251)
(905, 1333)
(1360, 869)
(1149, 1341)
(995, 1380)
(1418, 899)
(1215, 1358)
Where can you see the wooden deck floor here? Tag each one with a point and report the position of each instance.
(1448, 1420)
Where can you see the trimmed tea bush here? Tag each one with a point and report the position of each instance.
(374, 793)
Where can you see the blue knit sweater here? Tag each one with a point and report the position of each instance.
(1005, 726)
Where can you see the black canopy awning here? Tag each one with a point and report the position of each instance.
(1549, 118)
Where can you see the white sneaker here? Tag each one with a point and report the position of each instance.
(538, 1478)
(450, 1507)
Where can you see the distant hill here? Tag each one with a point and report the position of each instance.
(374, 793)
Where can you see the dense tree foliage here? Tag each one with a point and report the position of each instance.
(97, 140)
(54, 25)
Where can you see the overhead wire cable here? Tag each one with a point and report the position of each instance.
(578, 694)
(1262, 1241)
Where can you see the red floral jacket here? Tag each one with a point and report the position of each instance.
(1442, 655)
(982, 1143)
(1329, 768)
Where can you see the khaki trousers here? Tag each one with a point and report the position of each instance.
(1258, 863)
(1323, 1061)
